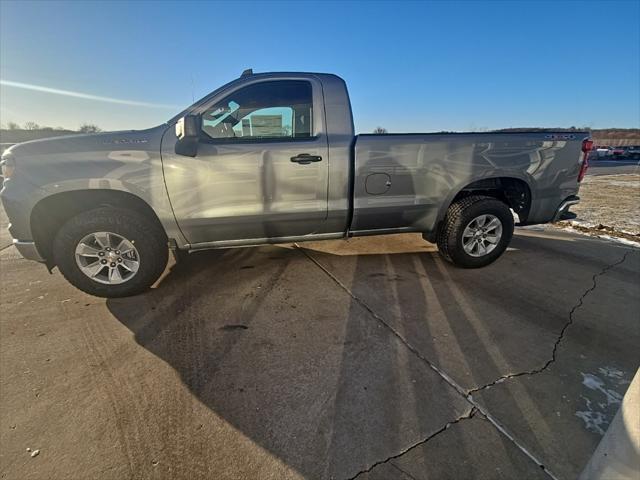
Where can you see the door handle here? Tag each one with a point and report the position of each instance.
(306, 159)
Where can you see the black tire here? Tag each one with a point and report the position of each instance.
(149, 239)
(459, 215)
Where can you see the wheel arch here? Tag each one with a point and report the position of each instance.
(515, 191)
(52, 211)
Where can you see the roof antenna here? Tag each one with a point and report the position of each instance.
(247, 72)
(192, 90)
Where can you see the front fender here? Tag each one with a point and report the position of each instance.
(152, 192)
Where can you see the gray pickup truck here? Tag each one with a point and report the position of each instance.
(271, 158)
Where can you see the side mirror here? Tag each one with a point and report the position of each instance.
(188, 133)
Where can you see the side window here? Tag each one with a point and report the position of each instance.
(280, 109)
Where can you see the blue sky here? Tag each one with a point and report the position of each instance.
(410, 66)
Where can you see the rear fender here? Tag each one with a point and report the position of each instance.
(442, 211)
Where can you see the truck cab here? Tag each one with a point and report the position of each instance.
(271, 161)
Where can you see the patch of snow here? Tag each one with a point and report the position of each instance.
(595, 383)
(585, 223)
(593, 421)
(611, 372)
(599, 411)
(623, 241)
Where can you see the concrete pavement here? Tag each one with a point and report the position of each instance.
(370, 358)
(618, 453)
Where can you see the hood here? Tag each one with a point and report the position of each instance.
(53, 161)
(91, 142)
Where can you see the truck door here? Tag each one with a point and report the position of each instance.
(261, 169)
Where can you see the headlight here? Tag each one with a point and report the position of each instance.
(8, 167)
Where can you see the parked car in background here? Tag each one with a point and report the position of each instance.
(632, 151)
(618, 152)
(603, 151)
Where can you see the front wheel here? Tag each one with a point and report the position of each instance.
(111, 252)
(475, 232)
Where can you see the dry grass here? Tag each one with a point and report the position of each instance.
(610, 205)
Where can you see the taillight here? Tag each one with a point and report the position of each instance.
(587, 146)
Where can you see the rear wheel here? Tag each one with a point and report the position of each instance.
(475, 232)
(111, 252)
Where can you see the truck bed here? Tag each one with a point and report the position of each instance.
(411, 176)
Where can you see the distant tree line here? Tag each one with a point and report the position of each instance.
(84, 128)
(595, 132)
(620, 133)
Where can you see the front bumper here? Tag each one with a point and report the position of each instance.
(564, 207)
(28, 250)
(18, 198)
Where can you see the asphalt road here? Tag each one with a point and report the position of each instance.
(369, 358)
(613, 167)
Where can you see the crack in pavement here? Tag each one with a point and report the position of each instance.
(566, 326)
(406, 474)
(466, 416)
(468, 397)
